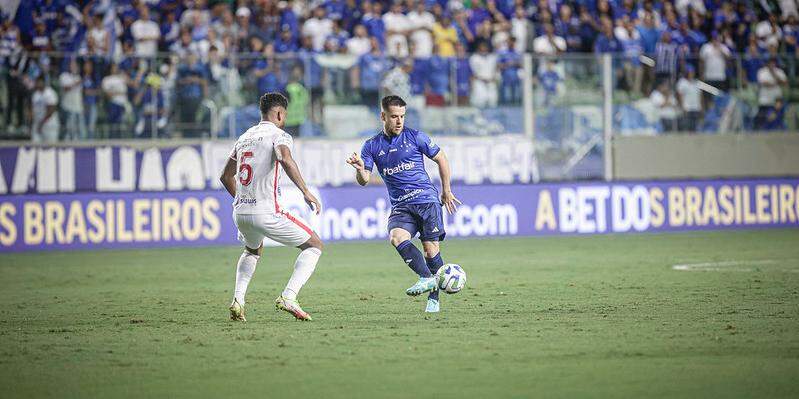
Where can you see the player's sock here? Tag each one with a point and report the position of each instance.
(303, 268)
(434, 264)
(414, 258)
(244, 271)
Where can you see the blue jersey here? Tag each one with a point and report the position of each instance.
(400, 161)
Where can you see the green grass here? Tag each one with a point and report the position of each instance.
(555, 317)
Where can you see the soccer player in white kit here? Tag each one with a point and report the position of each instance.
(252, 177)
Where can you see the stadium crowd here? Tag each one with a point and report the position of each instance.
(138, 65)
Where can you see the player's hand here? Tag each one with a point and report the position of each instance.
(450, 202)
(356, 161)
(313, 202)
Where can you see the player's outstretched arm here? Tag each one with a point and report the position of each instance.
(447, 198)
(228, 177)
(361, 174)
(293, 172)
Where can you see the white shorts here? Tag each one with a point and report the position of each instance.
(281, 227)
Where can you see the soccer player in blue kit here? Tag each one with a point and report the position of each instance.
(398, 152)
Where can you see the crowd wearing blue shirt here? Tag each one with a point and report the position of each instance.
(255, 38)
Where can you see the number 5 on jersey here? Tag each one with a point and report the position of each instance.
(245, 167)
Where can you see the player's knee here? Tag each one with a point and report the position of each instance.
(313, 242)
(398, 236)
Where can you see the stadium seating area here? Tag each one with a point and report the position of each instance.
(168, 68)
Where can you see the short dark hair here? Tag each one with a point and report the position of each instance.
(392, 101)
(272, 100)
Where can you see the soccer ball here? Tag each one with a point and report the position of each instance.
(451, 278)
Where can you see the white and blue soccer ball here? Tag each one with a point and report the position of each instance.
(451, 278)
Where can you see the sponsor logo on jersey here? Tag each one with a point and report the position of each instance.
(392, 150)
(410, 195)
(399, 168)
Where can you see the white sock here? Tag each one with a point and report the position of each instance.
(244, 271)
(303, 268)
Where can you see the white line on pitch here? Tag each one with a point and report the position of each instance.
(728, 265)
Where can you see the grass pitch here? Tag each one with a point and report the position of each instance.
(554, 317)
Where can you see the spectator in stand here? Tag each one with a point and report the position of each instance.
(265, 73)
(44, 112)
(713, 59)
(151, 111)
(318, 28)
(725, 16)
(510, 66)
(769, 32)
(666, 105)
(396, 30)
(588, 30)
(649, 8)
(790, 33)
(226, 25)
(285, 43)
(72, 102)
(604, 10)
(298, 97)
(115, 89)
(465, 33)
(549, 79)
(684, 7)
(775, 117)
(445, 36)
(752, 60)
(631, 44)
(484, 69)
(352, 15)
(170, 30)
(91, 92)
(607, 42)
(548, 43)
(421, 29)
(196, 14)
(360, 43)
(16, 91)
(438, 74)
(667, 57)
(182, 47)
(568, 27)
(192, 87)
(368, 74)
(521, 29)
(373, 21)
(41, 39)
(788, 8)
(146, 33)
(627, 9)
(397, 81)
(338, 37)
(771, 80)
(313, 78)
(245, 27)
(689, 96)
(98, 38)
(463, 74)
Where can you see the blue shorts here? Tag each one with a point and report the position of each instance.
(426, 219)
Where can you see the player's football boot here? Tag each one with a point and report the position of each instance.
(293, 307)
(432, 306)
(237, 311)
(425, 284)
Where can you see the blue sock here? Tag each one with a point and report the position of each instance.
(414, 258)
(434, 264)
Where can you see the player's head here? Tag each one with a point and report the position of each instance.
(393, 114)
(273, 108)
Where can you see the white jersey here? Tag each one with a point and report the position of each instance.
(258, 178)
